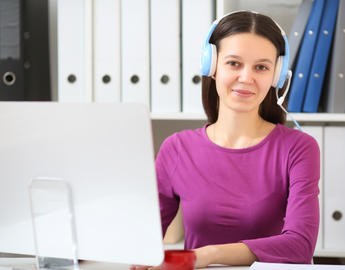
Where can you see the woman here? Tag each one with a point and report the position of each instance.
(247, 185)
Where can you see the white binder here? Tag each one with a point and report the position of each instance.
(197, 16)
(106, 57)
(135, 51)
(74, 50)
(334, 175)
(165, 56)
(317, 133)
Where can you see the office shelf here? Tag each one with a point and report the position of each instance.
(302, 117)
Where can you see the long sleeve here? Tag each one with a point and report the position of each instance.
(298, 237)
(166, 163)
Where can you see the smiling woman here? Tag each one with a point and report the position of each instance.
(247, 185)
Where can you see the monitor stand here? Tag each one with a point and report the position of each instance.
(52, 213)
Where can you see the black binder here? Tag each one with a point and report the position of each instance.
(11, 51)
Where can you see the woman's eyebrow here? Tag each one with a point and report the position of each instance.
(258, 60)
(265, 60)
(232, 56)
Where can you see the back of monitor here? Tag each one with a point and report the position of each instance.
(105, 153)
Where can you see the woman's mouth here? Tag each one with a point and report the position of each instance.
(242, 92)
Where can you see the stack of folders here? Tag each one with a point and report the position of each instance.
(310, 54)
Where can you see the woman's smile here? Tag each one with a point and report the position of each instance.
(243, 93)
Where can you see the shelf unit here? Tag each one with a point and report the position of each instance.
(302, 117)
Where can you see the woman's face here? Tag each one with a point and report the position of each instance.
(245, 70)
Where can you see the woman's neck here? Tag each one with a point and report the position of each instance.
(239, 129)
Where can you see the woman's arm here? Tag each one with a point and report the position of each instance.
(166, 163)
(229, 254)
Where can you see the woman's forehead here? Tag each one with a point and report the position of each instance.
(250, 44)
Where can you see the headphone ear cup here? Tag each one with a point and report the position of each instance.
(214, 61)
(277, 71)
(208, 60)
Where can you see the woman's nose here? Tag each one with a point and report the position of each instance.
(246, 75)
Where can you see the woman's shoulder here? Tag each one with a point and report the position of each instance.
(185, 136)
(296, 138)
(293, 134)
(173, 145)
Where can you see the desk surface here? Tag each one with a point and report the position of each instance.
(111, 266)
(29, 263)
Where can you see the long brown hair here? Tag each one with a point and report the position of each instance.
(245, 22)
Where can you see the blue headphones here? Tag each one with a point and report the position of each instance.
(209, 57)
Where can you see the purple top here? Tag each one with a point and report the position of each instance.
(265, 196)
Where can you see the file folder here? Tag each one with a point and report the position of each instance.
(135, 51)
(335, 95)
(40, 53)
(165, 56)
(11, 51)
(197, 16)
(297, 30)
(74, 50)
(320, 59)
(106, 57)
(301, 74)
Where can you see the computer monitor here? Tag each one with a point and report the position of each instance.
(105, 154)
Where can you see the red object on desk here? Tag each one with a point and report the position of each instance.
(179, 260)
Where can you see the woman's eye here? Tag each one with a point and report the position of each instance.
(234, 63)
(261, 67)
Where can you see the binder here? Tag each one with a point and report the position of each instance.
(106, 57)
(135, 51)
(74, 50)
(320, 59)
(11, 51)
(40, 53)
(301, 74)
(297, 30)
(335, 95)
(165, 56)
(197, 16)
(317, 132)
(334, 174)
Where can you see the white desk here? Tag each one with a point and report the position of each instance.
(110, 266)
(29, 263)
